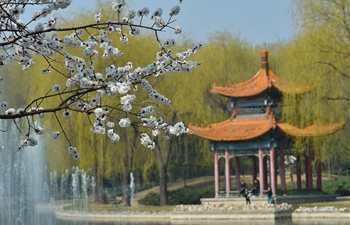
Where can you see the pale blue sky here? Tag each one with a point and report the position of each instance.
(257, 21)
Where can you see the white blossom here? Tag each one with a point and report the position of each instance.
(178, 128)
(125, 122)
(113, 136)
(146, 141)
(3, 104)
(45, 71)
(55, 134)
(175, 11)
(177, 30)
(10, 111)
(67, 114)
(143, 12)
(39, 130)
(155, 132)
(101, 113)
(20, 110)
(98, 17)
(146, 111)
(110, 124)
(74, 152)
(56, 88)
(90, 89)
(99, 128)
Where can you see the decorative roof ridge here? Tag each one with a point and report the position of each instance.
(265, 78)
(234, 120)
(261, 72)
(275, 79)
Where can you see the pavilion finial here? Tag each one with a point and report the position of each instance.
(264, 59)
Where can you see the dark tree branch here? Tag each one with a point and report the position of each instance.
(335, 68)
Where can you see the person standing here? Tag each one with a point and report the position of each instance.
(256, 187)
(269, 196)
(247, 197)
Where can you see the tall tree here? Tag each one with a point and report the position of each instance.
(319, 57)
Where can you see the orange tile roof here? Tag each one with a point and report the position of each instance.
(310, 131)
(264, 79)
(234, 129)
(238, 129)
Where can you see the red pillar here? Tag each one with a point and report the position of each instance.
(298, 173)
(319, 176)
(268, 109)
(254, 168)
(307, 183)
(234, 111)
(227, 173)
(261, 172)
(216, 174)
(238, 174)
(273, 171)
(283, 173)
(309, 159)
(265, 172)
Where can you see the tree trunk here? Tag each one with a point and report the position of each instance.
(128, 150)
(329, 168)
(126, 187)
(291, 175)
(163, 157)
(163, 185)
(100, 196)
(186, 161)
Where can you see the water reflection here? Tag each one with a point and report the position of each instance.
(219, 222)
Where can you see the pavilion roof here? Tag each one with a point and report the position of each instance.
(234, 129)
(265, 78)
(310, 131)
(239, 129)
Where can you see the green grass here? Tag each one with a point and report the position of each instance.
(93, 207)
(114, 208)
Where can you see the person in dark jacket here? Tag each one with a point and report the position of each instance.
(269, 196)
(243, 189)
(256, 188)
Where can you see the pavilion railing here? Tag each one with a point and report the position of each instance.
(235, 194)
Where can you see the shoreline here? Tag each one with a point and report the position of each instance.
(196, 216)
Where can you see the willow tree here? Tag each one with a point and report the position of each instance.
(105, 93)
(319, 57)
(225, 58)
(100, 155)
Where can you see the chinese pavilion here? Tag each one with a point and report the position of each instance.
(255, 130)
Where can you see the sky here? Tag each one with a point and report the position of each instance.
(256, 21)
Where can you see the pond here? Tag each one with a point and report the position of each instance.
(208, 222)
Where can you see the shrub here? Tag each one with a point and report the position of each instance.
(339, 187)
(186, 195)
(150, 199)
